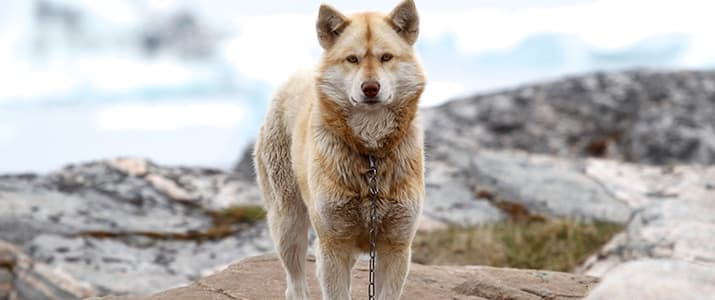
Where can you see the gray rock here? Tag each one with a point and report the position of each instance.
(545, 185)
(667, 229)
(27, 213)
(463, 188)
(120, 218)
(22, 278)
(127, 226)
(657, 280)
(668, 248)
(245, 167)
(674, 215)
(638, 116)
(450, 198)
(144, 265)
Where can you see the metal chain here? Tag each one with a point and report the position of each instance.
(373, 185)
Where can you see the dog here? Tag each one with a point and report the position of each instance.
(312, 152)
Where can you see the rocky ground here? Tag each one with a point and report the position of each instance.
(124, 226)
(627, 147)
(262, 278)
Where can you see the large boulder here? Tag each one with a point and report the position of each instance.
(128, 226)
(637, 116)
(674, 215)
(263, 278)
(667, 250)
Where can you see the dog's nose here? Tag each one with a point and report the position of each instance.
(370, 88)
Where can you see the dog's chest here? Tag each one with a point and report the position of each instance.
(372, 127)
(338, 189)
(349, 218)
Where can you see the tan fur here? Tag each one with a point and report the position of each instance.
(311, 154)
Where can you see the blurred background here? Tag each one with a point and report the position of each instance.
(188, 82)
(581, 139)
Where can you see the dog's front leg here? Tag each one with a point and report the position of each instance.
(393, 263)
(334, 263)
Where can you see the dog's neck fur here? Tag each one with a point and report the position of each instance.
(372, 127)
(369, 132)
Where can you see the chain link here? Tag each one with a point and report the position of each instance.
(373, 185)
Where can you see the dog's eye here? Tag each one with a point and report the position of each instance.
(352, 59)
(386, 57)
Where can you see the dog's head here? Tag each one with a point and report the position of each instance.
(368, 59)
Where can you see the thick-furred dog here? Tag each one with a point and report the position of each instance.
(312, 152)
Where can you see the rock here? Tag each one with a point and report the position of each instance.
(427, 224)
(636, 116)
(131, 166)
(657, 279)
(150, 226)
(674, 215)
(168, 187)
(245, 168)
(668, 248)
(22, 278)
(154, 226)
(449, 186)
(263, 278)
(544, 185)
(144, 265)
(99, 222)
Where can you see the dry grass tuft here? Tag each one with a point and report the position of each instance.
(238, 214)
(553, 244)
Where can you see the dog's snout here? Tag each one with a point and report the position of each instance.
(370, 88)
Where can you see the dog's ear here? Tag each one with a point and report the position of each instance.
(330, 25)
(406, 21)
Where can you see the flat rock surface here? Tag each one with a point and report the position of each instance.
(545, 185)
(657, 279)
(673, 215)
(263, 278)
(667, 250)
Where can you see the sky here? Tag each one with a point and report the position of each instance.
(477, 27)
(94, 97)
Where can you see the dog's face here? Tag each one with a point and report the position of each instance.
(368, 60)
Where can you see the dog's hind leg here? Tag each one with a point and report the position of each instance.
(287, 215)
(290, 234)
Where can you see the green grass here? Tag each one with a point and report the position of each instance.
(552, 244)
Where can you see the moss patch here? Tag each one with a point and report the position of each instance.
(552, 244)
